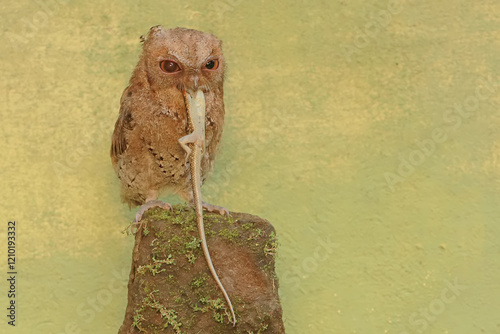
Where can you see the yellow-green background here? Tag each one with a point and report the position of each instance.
(318, 113)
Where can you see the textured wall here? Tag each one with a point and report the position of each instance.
(367, 132)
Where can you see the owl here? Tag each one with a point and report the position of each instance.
(145, 152)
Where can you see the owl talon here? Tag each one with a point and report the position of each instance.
(149, 205)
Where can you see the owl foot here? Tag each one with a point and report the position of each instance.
(137, 223)
(148, 205)
(215, 208)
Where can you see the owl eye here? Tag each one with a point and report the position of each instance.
(212, 64)
(169, 66)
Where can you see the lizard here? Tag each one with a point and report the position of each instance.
(194, 145)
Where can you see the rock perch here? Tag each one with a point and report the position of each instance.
(170, 288)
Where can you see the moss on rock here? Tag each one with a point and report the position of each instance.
(171, 289)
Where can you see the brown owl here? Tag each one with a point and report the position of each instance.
(145, 151)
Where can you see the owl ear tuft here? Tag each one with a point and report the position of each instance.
(153, 31)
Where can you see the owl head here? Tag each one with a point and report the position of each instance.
(184, 58)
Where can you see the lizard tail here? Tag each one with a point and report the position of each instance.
(211, 266)
(201, 229)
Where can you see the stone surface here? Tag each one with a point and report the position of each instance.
(170, 287)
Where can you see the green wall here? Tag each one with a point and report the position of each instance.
(366, 131)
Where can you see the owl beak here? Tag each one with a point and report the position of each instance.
(193, 82)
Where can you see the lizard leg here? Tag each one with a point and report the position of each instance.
(184, 141)
(192, 138)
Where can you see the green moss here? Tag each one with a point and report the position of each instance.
(262, 329)
(174, 239)
(272, 245)
(155, 267)
(138, 318)
(230, 234)
(247, 226)
(192, 244)
(219, 318)
(255, 234)
(180, 300)
(158, 213)
(189, 228)
(169, 316)
(191, 258)
(198, 282)
(216, 306)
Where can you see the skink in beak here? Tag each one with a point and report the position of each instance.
(195, 105)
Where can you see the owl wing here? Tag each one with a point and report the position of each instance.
(123, 126)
